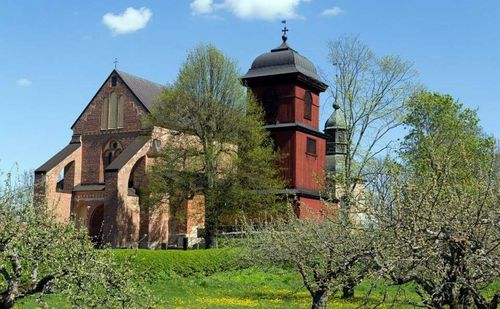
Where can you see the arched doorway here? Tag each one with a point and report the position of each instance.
(96, 224)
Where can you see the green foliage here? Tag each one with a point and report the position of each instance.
(439, 228)
(39, 255)
(218, 145)
(163, 264)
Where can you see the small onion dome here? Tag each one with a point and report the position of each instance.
(336, 120)
(284, 60)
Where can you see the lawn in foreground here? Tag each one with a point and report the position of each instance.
(217, 278)
(247, 288)
(255, 288)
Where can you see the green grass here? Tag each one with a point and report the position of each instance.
(258, 288)
(218, 279)
(162, 264)
(246, 288)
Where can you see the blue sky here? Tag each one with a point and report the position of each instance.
(54, 55)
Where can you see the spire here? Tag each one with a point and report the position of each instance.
(336, 120)
(284, 37)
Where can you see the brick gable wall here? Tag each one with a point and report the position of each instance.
(94, 139)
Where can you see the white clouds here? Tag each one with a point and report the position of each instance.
(24, 82)
(202, 7)
(334, 11)
(129, 21)
(250, 9)
(263, 9)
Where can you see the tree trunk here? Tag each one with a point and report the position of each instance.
(210, 236)
(8, 298)
(320, 299)
(5, 303)
(348, 289)
(211, 226)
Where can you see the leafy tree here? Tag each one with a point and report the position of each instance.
(440, 223)
(218, 145)
(370, 92)
(328, 253)
(39, 255)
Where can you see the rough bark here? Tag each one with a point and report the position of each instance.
(348, 290)
(320, 299)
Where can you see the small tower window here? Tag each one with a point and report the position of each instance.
(270, 101)
(308, 105)
(311, 146)
(113, 80)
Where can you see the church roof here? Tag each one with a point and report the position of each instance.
(57, 158)
(336, 119)
(143, 89)
(128, 153)
(283, 60)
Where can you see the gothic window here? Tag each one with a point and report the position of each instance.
(105, 111)
(311, 146)
(113, 80)
(113, 104)
(111, 150)
(307, 105)
(121, 105)
(112, 112)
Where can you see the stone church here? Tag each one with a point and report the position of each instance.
(95, 178)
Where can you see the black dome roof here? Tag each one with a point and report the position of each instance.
(282, 60)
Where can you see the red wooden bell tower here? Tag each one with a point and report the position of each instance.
(288, 86)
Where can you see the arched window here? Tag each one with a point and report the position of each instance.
(137, 176)
(66, 178)
(111, 150)
(308, 105)
(119, 111)
(112, 112)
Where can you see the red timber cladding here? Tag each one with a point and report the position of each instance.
(285, 142)
(309, 168)
(94, 139)
(299, 107)
(308, 207)
(286, 93)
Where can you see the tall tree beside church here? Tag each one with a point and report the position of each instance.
(369, 92)
(220, 147)
(440, 225)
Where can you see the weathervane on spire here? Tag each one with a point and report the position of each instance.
(116, 63)
(284, 37)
